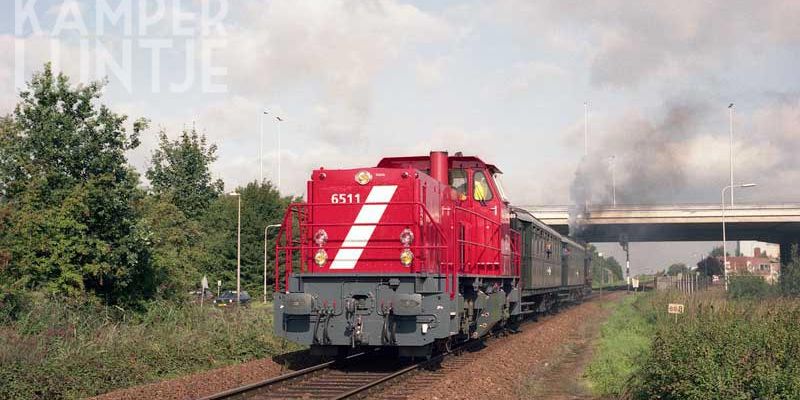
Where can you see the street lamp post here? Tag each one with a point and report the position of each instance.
(265, 258)
(279, 119)
(261, 147)
(724, 237)
(731, 107)
(238, 247)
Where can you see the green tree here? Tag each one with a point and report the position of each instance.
(64, 174)
(601, 264)
(717, 252)
(677, 268)
(180, 172)
(176, 246)
(262, 205)
(7, 153)
(710, 266)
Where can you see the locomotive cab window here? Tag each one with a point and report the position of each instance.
(480, 188)
(498, 182)
(458, 181)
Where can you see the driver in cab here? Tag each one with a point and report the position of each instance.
(481, 189)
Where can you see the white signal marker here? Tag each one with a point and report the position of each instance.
(359, 235)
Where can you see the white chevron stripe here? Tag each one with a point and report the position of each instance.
(359, 235)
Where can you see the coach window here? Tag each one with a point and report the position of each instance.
(480, 188)
(458, 181)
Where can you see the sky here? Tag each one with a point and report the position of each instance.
(354, 81)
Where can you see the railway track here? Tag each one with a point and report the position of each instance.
(374, 375)
(344, 379)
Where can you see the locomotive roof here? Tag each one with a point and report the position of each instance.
(452, 161)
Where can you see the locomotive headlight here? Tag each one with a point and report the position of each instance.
(406, 257)
(406, 237)
(363, 177)
(321, 237)
(321, 257)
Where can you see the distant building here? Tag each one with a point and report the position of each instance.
(768, 268)
(748, 247)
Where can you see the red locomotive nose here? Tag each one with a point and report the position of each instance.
(418, 251)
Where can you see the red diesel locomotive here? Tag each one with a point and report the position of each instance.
(416, 254)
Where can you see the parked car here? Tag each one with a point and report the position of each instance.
(228, 298)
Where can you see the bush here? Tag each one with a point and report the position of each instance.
(749, 287)
(12, 304)
(62, 350)
(724, 350)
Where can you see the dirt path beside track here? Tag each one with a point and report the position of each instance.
(545, 361)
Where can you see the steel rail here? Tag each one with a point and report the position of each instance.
(275, 380)
(394, 375)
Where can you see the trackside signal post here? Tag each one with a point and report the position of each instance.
(623, 241)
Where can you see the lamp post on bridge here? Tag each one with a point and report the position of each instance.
(731, 107)
(724, 237)
(612, 161)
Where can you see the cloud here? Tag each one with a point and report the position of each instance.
(633, 43)
(431, 73)
(521, 77)
(336, 47)
(682, 154)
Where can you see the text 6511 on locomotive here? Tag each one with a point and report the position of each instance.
(417, 253)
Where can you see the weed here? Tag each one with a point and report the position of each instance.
(60, 350)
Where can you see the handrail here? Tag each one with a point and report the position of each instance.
(286, 244)
(495, 235)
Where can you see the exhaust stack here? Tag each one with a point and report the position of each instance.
(439, 166)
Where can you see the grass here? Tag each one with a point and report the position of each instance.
(624, 340)
(724, 349)
(720, 348)
(55, 350)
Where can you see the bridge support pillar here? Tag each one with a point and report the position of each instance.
(786, 250)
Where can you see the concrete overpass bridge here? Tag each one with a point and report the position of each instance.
(774, 223)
